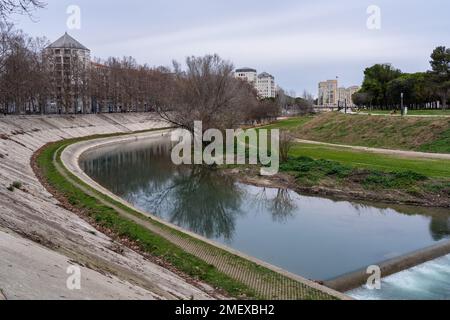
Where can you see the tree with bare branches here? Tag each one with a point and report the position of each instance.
(206, 91)
(10, 7)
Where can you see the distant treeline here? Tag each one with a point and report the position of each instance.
(384, 84)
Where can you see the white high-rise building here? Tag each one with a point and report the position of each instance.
(263, 83)
(247, 74)
(266, 86)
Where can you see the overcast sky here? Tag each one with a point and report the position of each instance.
(300, 42)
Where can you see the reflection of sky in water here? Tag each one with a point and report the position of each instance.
(314, 237)
(430, 281)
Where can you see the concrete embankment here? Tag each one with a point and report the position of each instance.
(359, 278)
(40, 240)
(268, 281)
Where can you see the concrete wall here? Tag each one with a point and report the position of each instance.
(40, 239)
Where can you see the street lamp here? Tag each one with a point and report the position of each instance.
(401, 104)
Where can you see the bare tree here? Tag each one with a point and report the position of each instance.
(287, 141)
(10, 7)
(206, 91)
(308, 96)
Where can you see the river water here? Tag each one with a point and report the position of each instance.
(317, 238)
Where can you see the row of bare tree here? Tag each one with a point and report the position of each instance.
(204, 89)
(24, 76)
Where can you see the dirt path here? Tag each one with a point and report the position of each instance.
(408, 116)
(393, 152)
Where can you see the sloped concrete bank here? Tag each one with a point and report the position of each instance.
(40, 240)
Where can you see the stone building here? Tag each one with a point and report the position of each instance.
(70, 62)
(328, 93)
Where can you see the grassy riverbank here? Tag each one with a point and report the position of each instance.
(434, 168)
(363, 175)
(110, 217)
(413, 133)
(394, 186)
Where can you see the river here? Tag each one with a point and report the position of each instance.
(317, 238)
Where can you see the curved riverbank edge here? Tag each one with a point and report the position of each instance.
(70, 158)
(359, 278)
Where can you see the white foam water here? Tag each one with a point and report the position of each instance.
(429, 281)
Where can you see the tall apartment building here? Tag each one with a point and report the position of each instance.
(263, 83)
(328, 93)
(266, 86)
(247, 74)
(70, 62)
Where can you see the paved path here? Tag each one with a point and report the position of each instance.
(267, 281)
(408, 116)
(400, 153)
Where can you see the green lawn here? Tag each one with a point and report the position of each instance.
(290, 124)
(361, 159)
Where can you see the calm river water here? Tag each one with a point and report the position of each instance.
(317, 238)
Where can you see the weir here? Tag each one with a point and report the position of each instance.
(359, 278)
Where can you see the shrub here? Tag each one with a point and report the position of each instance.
(17, 184)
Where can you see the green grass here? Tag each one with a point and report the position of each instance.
(440, 145)
(310, 172)
(289, 124)
(410, 133)
(361, 159)
(434, 168)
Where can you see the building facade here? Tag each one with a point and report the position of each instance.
(328, 93)
(331, 95)
(350, 92)
(345, 96)
(264, 83)
(70, 63)
(247, 74)
(266, 86)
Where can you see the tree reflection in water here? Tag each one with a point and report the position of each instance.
(208, 202)
(202, 200)
(440, 228)
(281, 206)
